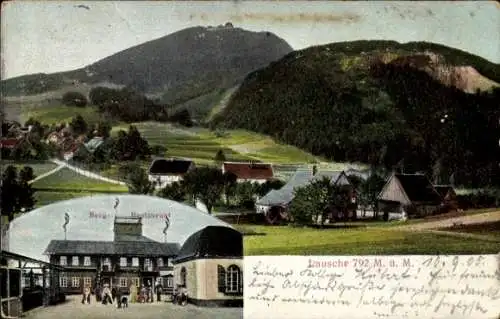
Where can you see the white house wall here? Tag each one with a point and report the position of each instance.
(202, 278)
(164, 180)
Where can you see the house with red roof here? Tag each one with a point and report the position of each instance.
(249, 172)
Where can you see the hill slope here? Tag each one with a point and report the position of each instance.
(381, 102)
(180, 66)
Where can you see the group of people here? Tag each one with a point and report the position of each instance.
(106, 295)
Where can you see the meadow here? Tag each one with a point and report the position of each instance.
(286, 240)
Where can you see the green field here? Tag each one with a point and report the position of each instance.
(66, 180)
(284, 240)
(39, 168)
(57, 113)
(489, 229)
(49, 197)
(201, 144)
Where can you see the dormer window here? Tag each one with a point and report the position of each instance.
(160, 262)
(74, 261)
(63, 260)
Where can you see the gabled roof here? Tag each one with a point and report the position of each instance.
(363, 174)
(249, 170)
(416, 187)
(212, 241)
(142, 247)
(94, 144)
(301, 178)
(443, 190)
(171, 166)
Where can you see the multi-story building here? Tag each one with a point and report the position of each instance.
(130, 258)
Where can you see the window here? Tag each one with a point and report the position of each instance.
(87, 281)
(63, 281)
(183, 277)
(86, 261)
(135, 262)
(135, 281)
(169, 281)
(148, 264)
(229, 281)
(160, 262)
(233, 279)
(123, 282)
(63, 261)
(107, 261)
(74, 261)
(123, 261)
(169, 263)
(75, 282)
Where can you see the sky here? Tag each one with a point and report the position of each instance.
(54, 36)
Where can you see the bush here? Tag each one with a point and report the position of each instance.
(74, 99)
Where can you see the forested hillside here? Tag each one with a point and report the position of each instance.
(405, 106)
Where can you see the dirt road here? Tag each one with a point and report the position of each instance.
(464, 220)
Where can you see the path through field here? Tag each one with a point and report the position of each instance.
(450, 222)
(87, 173)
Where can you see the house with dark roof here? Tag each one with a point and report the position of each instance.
(249, 172)
(130, 259)
(411, 193)
(274, 205)
(165, 171)
(209, 267)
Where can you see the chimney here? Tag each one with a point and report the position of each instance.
(127, 226)
(315, 170)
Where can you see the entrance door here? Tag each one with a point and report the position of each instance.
(106, 280)
(148, 281)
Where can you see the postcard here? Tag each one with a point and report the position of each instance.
(250, 159)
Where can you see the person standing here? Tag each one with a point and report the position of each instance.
(159, 289)
(86, 295)
(106, 295)
(133, 293)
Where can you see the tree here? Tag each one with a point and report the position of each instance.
(78, 125)
(129, 146)
(10, 190)
(183, 117)
(312, 202)
(245, 193)
(138, 182)
(220, 157)
(230, 182)
(370, 190)
(174, 191)
(74, 99)
(26, 195)
(205, 184)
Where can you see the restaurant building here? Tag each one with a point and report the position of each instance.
(130, 258)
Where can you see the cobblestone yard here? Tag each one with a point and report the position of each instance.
(73, 309)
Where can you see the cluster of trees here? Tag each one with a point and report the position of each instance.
(125, 146)
(130, 106)
(387, 115)
(321, 200)
(207, 184)
(74, 99)
(17, 193)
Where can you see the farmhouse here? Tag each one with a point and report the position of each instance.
(166, 171)
(130, 258)
(249, 172)
(275, 203)
(410, 193)
(209, 267)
